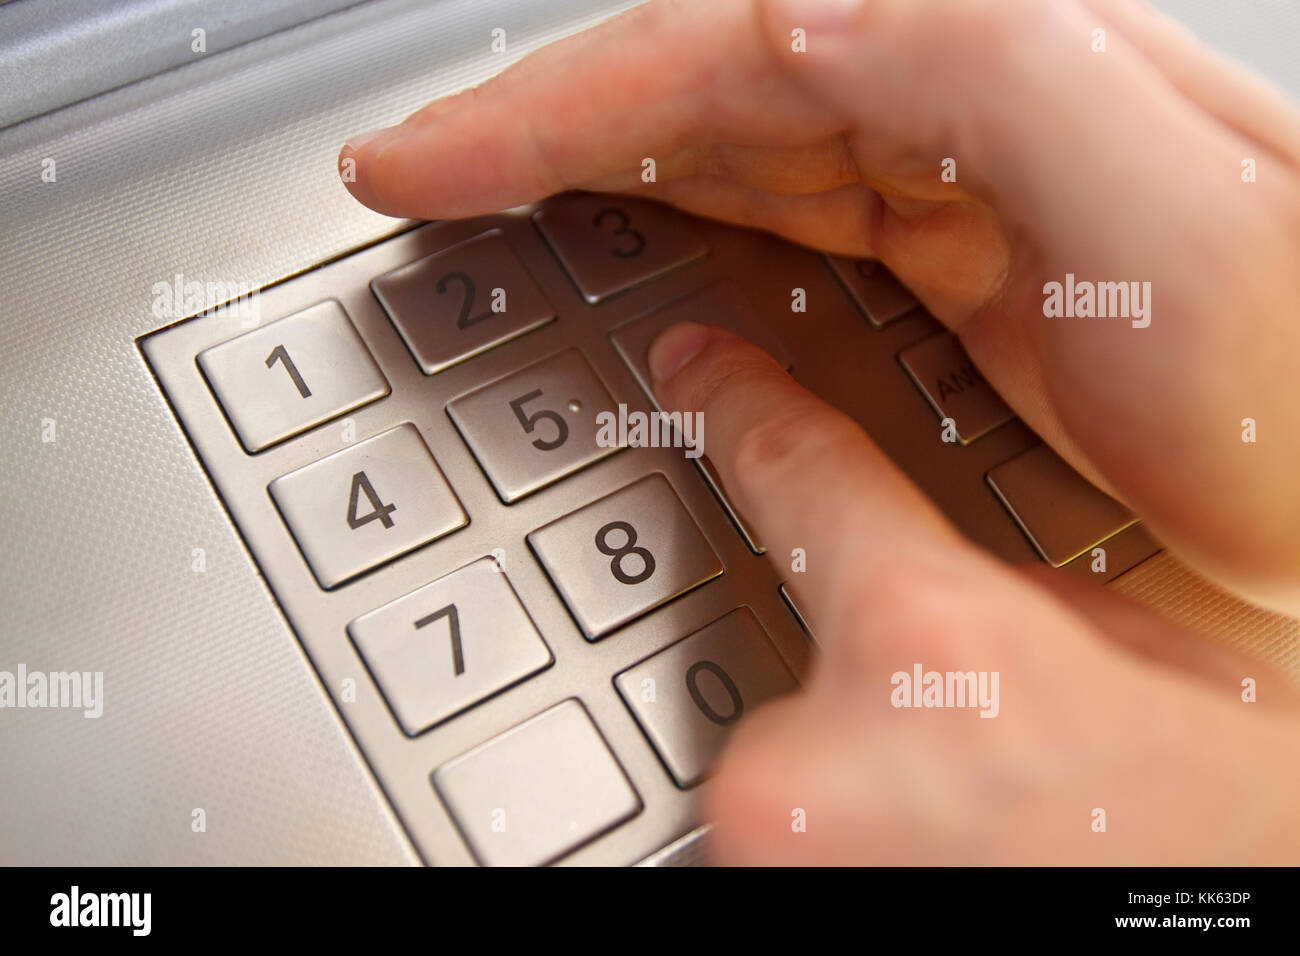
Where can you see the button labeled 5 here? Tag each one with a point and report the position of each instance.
(532, 428)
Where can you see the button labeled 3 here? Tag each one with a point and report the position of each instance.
(611, 243)
(366, 505)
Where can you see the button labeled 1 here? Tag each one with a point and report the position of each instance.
(532, 428)
(291, 375)
(449, 645)
(366, 505)
(462, 301)
(624, 555)
(688, 696)
(611, 243)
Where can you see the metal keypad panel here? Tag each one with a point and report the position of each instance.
(468, 567)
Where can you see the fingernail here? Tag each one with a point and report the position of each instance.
(356, 142)
(674, 347)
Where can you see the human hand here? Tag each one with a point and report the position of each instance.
(1122, 166)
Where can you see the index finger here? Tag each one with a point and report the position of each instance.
(651, 82)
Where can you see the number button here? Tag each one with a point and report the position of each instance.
(688, 696)
(462, 301)
(535, 426)
(608, 244)
(367, 504)
(291, 375)
(880, 296)
(624, 555)
(449, 645)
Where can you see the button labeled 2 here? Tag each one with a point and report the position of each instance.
(462, 301)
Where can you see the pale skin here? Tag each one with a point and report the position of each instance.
(1117, 166)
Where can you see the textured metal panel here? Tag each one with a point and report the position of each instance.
(56, 52)
(1168, 586)
(223, 170)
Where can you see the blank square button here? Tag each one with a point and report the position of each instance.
(538, 791)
